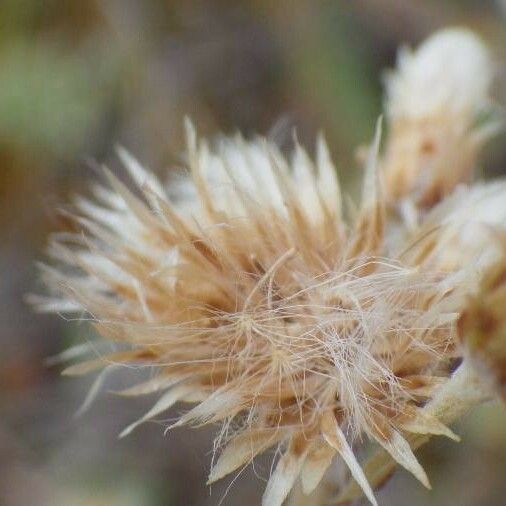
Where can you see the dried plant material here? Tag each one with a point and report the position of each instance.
(468, 221)
(465, 390)
(317, 462)
(283, 322)
(439, 115)
(252, 298)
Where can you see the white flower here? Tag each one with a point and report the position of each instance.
(450, 72)
(437, 101)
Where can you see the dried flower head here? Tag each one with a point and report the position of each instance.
(439, 114)
(264, 307)
(290, 326)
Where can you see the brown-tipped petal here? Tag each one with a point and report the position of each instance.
(120, 357)
(401, 452)
(421, 422)
(335, 438)
(73, 352)
(216, 407)
(317, 462)
(371, 191)
(53, 305)
(95, 389)
(136, 206)
(286, 472)
(304, 174)
(165, 402)
(138, 173)
(242, 450)
(378, 468)
(153, 385)
(328, 181)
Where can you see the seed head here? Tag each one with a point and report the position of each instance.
(257, 302)
(290, 325)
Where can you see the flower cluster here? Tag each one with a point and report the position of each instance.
(287, 321)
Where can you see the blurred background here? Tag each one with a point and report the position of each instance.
(78, 78)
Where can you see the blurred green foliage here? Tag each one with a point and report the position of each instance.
(49, 99)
